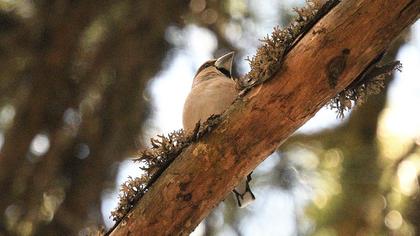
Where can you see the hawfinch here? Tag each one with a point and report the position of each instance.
(213, 91)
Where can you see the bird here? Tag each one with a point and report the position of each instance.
(213, 91)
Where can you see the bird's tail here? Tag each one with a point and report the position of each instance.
(243, 193)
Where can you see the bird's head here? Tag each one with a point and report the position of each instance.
(221, 66)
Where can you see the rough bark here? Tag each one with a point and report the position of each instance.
(255, 125)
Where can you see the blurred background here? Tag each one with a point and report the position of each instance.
(85, 84)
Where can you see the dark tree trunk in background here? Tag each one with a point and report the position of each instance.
(76, 72)
(85, 94)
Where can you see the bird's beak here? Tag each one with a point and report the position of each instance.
(225, 63)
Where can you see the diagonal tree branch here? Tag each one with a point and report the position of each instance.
(354, 33)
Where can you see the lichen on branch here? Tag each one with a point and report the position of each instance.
(154, 160)
(269, 56)
(371, 82)
(267, 61)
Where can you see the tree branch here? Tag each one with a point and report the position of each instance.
(355, 31)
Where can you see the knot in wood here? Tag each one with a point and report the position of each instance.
(336, 66)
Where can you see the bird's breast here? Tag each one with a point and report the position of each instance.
(209, 97)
